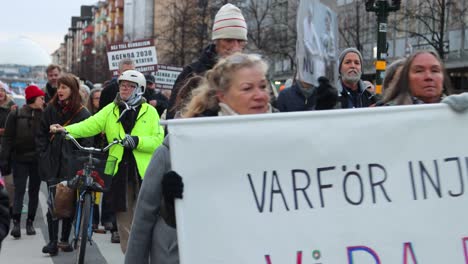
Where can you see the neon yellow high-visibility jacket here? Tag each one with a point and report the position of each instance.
(150, 133)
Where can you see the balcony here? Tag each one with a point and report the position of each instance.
(111, 7)
(88, 41)
(89, 29)
(119, 21)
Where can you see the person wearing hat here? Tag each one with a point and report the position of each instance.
(351, 89)
(18, 144)
(134, 121)
(229, 35)
(153, 97)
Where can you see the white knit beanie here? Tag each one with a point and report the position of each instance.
(229, 23)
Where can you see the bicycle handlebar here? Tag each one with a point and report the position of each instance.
(91, 149)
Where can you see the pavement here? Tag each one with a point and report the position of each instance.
(28, 249)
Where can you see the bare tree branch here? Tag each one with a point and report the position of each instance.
(432, 16)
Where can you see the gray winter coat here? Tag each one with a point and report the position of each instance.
(151, 239)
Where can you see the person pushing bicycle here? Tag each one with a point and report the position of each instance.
(136, 123)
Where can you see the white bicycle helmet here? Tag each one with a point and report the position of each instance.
(135, 77)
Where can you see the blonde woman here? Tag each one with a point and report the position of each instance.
(237, 85)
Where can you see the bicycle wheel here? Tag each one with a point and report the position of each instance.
(84, 225)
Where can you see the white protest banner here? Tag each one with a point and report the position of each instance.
(166, 76)
(364, 186)
(142, 52)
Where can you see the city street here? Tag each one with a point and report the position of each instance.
(28, 249)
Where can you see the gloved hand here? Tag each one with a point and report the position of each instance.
(130, 142)
(172, 187)
(327, 95)
(458, 102)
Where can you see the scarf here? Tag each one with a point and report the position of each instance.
(131, 104)
(64, 106)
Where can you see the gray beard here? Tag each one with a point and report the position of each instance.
(351, 78)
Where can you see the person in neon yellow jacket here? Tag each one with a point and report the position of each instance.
(134, 121)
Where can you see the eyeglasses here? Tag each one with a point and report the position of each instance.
(127, 85)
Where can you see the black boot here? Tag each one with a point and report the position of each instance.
(16, 230)
(51, 248)
(64, 245)
(30, 228)
(52, 225)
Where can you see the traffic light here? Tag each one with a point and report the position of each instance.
(370, 5)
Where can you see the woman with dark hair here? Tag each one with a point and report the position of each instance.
(136, 122)
(56, 153)
(423, 80)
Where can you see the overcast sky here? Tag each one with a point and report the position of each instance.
(44, 21)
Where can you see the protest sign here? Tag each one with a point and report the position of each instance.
(361, 186)
(142, 52)
(317, 42)
(166, 76)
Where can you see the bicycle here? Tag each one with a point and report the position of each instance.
(87, 181)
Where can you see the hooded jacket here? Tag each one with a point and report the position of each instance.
(205, 62)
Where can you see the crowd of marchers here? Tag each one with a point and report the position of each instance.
(223, 81)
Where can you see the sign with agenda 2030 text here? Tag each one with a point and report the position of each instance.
(362, 186)
(142, 52)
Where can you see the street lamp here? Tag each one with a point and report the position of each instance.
(381, 9)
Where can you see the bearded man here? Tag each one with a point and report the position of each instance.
(351, 89)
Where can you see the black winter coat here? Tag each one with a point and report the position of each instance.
(362, 98)
(161, 100)
(205, 62)
(4, 111)
(49, 92)
(108, 94)
(55, 152)
(18, 142)
(4, 214)
(292, 99)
